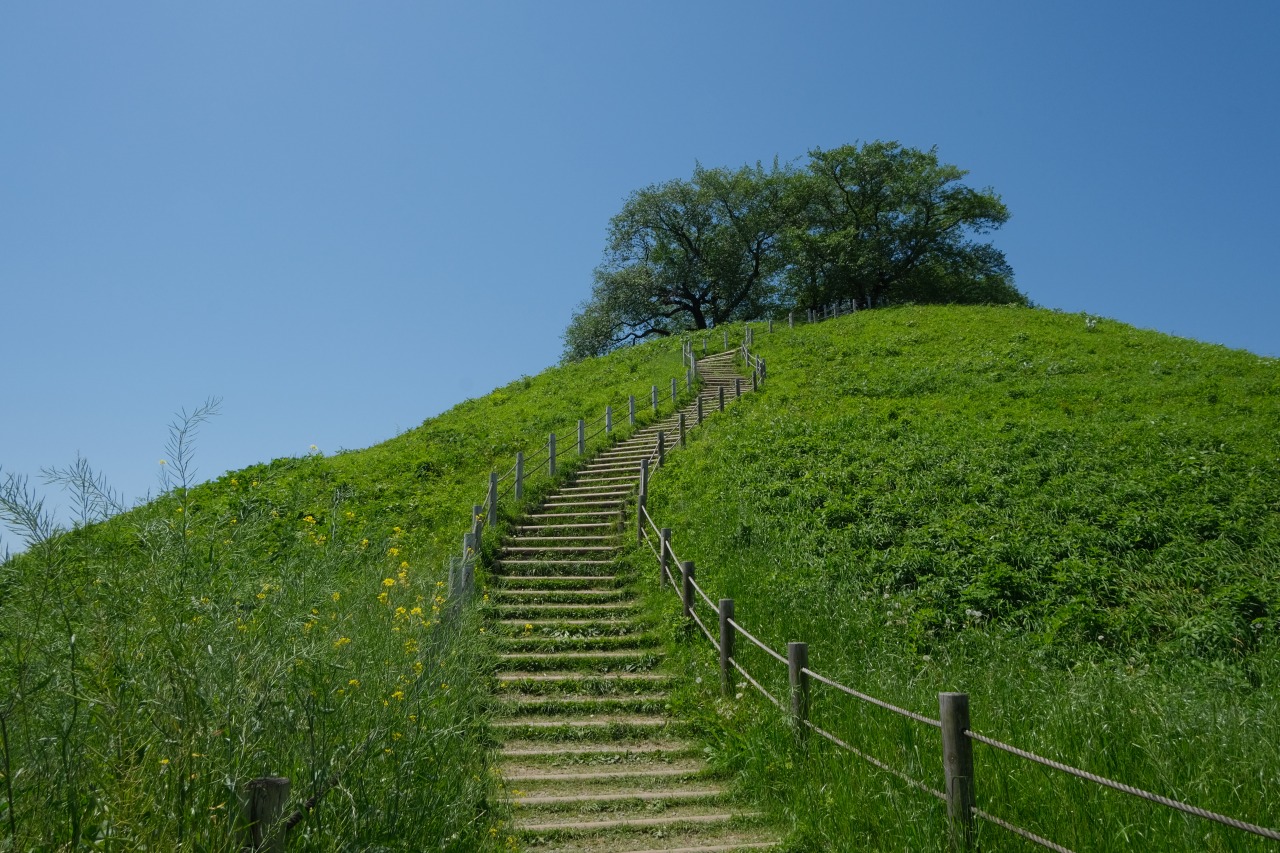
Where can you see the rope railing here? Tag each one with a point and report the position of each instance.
(871, 759)
(770, 652)
(1127, 789)
(920, 718)
(757, 685)
(1020, 832)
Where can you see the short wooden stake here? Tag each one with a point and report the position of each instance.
(755, 379)
(264, 804)
(771, 325)
(682, 442)
(722, 398)
(764, 373)
(791, 319)
(727, 635)
(664, 549)
(655, 399)
(662, 447)
(686, 588)
(608, 420)
(493, 499)
(582, 437)
(688, 377)
(797, 662)
(957, 767)
(675, 390)
(699, 409)
(477, 523)
(519, 474)
(551, 454)
(631, 408)
(704, 344)
(737, 387)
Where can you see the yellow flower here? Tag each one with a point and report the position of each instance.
(417, 611)
(234, 481)
(398, 695)
(382, 596)
(336, 596)
(404, 564)
(341, 641)
(444, 686)
(164, 761)
(233, 521)
(254, 484)
(396, 735)
(355, 682)
(417, 670)
(395, 531)
(388, 582)
(309, 519)
(395, 552)
(364, 543)
(350, 515)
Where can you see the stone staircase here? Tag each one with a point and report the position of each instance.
(590, 759)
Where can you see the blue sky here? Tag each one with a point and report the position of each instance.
(343, 218)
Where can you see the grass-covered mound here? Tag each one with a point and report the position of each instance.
(281, 620)
(1072, 520)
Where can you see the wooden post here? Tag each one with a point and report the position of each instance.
(682, 443)
(791, 319)
(722, 398)
(477, 523)
(551, 454)
(737, 387)
(797, 661)
(699, 409)
(727, 635)
(704, 344)
(642, 500)
(264, 803)
(631, 408)
(764, 373)
(664, 548)
(493, 499)
(662, 447)
(726, 339)
(686, 588)
(755, 379)
(462, 583)
(771, 325)
(957, 767)
(688, 377)
(582, 437)
(519, 474)
(675, 389)
(655, 399)
(608, 420)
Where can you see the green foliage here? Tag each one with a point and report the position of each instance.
(286, 619)
(1072, 520)
(876, 224)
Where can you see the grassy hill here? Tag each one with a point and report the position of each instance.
(280, 620)
(1075, 521)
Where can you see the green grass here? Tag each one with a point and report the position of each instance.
(1076, 523)
(286, 619)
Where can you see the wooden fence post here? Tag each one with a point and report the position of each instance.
(664, 548)
(608, 420)
(662, 447)
(675, 389)
(631, 408)
(957, 767)
(771, 325)
(519, 474)
(704, 344)
(727, 635)
(642, 500)
(686, 588)
(582, 437)
(726, 339)
(493, 498)
(682, 442)
(797, 662)
(791, 319)
(755, 379)
(764, 373)
(264, 802)
(655, 399)
(722, 398)
(737, 387)
(688, 377)
(477, 523)
(551, 453)
(699, 409)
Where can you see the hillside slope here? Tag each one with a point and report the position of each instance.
(281, 620)
(1075, 521)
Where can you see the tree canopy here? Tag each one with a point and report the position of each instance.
(876, 224)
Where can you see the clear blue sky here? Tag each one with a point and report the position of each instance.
(343, 218)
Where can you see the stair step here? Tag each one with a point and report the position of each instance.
(643, 796)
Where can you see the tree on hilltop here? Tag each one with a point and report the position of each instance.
(875, 224)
